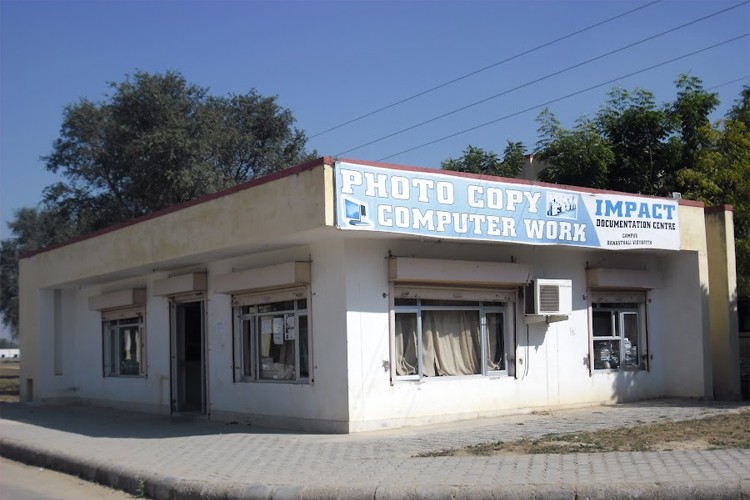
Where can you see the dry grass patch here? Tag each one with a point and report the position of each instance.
(9, 381)
(717, 432)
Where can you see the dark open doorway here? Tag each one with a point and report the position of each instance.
(188, 358)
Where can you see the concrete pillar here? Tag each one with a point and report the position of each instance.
(722, 276)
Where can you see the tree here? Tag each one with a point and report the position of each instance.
(252, 136)
(690, 113)
(159, 141)
(733, 146)
(9, 284)
(741, 110)
(514, 158)
(635, 129)
(476, 160)
(155, 142)
(579, 157)
(635, 146)
(32, 229)
(8, 344)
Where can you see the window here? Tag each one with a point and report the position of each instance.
(618, 334)
(272, 340)
(123, 342)
(439, 337)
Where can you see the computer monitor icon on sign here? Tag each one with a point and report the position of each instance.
(355, 213)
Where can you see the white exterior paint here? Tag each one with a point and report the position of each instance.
(351, 385)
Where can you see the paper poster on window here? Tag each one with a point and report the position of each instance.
(487, 208)
(290, 334)
(278, 330)
(266, 325)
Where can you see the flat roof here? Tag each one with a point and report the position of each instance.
(327, 160)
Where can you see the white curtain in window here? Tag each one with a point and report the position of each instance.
(451, 343)
(496, 344)
(406, 344)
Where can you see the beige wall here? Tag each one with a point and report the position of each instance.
(694, 262)
(723, 302)
(259, 217)
(272, 213)
(290, 219)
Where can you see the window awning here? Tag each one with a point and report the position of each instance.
(130, 297)
(457, 272)
(618, 297)
(177, 285)
(288, 274)
(623, 278)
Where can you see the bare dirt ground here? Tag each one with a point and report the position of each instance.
(8, 381)
(717, 432)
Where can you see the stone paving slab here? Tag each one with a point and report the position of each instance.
(195, 458)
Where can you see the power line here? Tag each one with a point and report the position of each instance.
(746, 77)
(472, 73)
(558, 99)
(550, 75)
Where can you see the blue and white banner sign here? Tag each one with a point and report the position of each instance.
(437, 205)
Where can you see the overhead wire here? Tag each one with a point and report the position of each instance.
(485, 68)
(718, 86)
(545, 77)
(573, 94)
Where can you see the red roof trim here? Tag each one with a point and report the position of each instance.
(197, 201)
(327, 160)
(719, 208)
(509, 180)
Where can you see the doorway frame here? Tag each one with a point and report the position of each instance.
(174, 373)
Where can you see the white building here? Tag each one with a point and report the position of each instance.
(350, 296)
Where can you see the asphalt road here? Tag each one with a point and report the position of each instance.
(23, 482)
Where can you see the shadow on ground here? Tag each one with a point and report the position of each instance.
(96, 421)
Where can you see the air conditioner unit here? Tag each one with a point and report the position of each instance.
(548, 297)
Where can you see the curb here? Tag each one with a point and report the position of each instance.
(163, 487)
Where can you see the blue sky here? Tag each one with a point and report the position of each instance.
(330, 62)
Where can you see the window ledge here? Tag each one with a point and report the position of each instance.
(544, 318)
(264, 381)
(489, 376)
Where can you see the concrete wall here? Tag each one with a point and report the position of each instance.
(253, 219)
(723, 302)
(247, 220)
(351, 387)
(319, 405)
(552, 360)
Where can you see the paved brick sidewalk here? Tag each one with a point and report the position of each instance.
(178, 457)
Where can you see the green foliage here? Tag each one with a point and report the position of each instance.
(155, 142)
(476, 160)
(721, 175)
(741, 110)
(634, 145)
(514, 157)
(32, 229)
(690, 113)
(578, 157)
(9, 284)
(159, 141)
(252, 136)
(635, 128)
(8, 344)
(140, 491)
